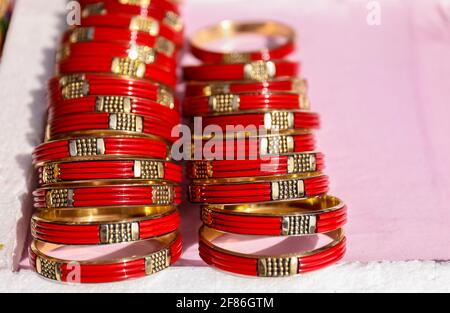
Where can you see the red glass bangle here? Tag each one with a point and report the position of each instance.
(146, 54)
(126, 6)
(312, 216)
(169, 18)
(52, 173)
(117, 36)
(136, 24)
(118, 123)
(100, 196)
(253, 147)
(227, 103)
(106, 271)
(81, 85)
(80, 230)
(119, 66)
(91, 148)
(254, 71)
(195, 89)
(299, 163)
(257, 190)
(270, 266)
(227, 29)
(274, 120)
(114, 104)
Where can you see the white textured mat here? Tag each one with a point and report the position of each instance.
(26, 66)
(412, 276)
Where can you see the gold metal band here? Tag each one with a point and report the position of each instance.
(259, 70)
(96, 215)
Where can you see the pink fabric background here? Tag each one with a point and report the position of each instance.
(383, 93)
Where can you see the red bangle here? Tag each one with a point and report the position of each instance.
(255, 147)
(51, 173)
(318, 215)
(255, 71)
(115, 104)
(194, 89)
(99, 196)
(226, 103)
(80, 230)
(146, 54)
(143, 8)
(92, 148)
(106, 271)
(81, 85)
(117, 36)
(270, 266)
(257, 190)
(136, 24)
(119, 66)
(299, 163)
(227, 29)
(79, 124)
(274, 120)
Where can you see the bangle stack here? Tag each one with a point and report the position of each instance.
(263, 177)
(105, 172)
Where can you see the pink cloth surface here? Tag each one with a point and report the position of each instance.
(383, 93)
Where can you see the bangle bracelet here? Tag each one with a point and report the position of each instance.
(119, 66)
(227, 29)
(126, 6)
(106, 271)
(311, 216)
(229, 191)
(168, 18)
(100, 196)
(228, 103)
(76, 227)
(273, 120)
(95, 148)
(194, 89)
(115, 104)
(254, 71)
(116, 37)
(256, 146)
(270, 266)
(51, 173)
(82, 85)
(121, 123)
(138, 25)
(145, 54)
(298, 163)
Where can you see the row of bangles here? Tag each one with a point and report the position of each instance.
(276, 187)
(109, 186)
(107, 204)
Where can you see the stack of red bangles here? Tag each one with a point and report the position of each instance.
(265, 179)
(105, 172)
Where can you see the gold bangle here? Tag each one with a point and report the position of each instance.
(311, 206)
(86, 216)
